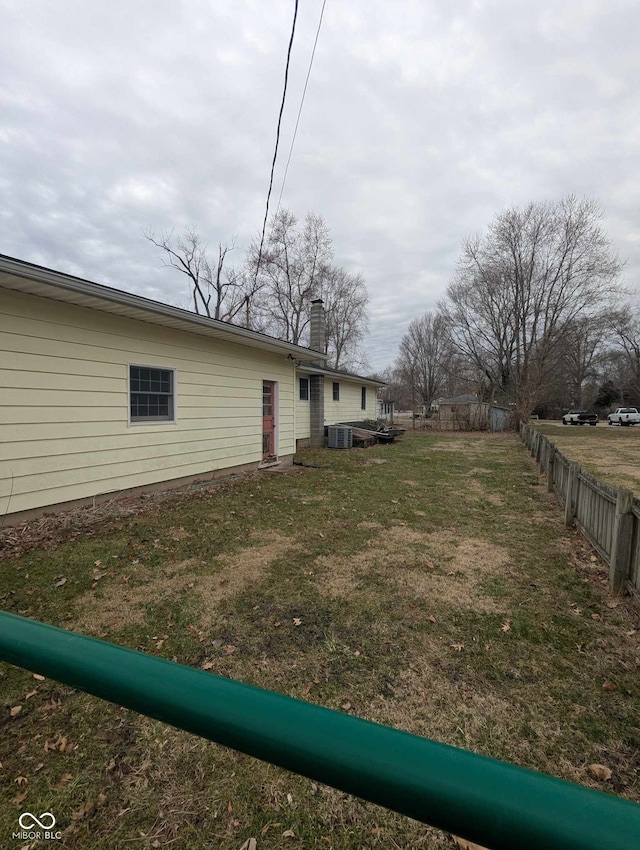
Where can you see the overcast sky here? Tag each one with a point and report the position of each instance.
(422, 120)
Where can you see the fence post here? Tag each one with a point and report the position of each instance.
(539, 450)
(551, 462)
(622, 540)
(572, 492)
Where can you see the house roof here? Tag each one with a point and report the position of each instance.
(467, 398)
(26, 277)
(315, 369)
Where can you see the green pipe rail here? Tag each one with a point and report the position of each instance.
(497, 805)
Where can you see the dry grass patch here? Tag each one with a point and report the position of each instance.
(430, 566)
(611, 454)
(120, 605)
(426, 701)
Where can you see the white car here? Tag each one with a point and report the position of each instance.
(624, 416)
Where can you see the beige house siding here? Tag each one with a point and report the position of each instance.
(348, 409)
(64, 402)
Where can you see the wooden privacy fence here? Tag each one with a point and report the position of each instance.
(608, 517)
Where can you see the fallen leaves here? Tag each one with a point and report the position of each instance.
(15, 711)
(89, 808)
(297, 621)
(609, 686)
(60, 744)
(64, 780)
(457, 646)
(600, 772)
(38, 677)
(21, 780)
(506, 626)
(60, 582)
(19, 798)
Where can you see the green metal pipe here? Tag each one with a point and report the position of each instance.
(491, 803)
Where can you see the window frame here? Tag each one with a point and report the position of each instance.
(363, 398)
(172, 419)
(336, 390)
(306, 380)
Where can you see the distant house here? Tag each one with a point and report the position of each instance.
(467, 413)
(102, 391)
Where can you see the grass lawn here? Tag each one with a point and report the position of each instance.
(611, 453)
(429, 585)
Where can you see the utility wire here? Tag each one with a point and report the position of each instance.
(306, 83)
(275, 152)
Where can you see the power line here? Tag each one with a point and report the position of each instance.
(306, 83)
(275, 152)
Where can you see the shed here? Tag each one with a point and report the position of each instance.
(468, 413)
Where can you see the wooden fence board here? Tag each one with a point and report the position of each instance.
(594, 511)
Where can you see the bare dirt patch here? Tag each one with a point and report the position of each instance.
(119, 605)
(475, 489)
(427, 565)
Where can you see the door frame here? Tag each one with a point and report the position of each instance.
(276, 418)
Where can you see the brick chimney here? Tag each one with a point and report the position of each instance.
(318, 328)
(317, 341)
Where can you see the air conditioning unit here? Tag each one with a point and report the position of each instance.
(339, 437)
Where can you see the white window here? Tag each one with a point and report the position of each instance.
(304, 389)
(151, 394)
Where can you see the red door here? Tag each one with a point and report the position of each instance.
(268, 420)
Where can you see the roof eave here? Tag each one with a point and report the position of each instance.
(329, 373)
(60, 282)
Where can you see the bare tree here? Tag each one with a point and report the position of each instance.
(625, 352)
(295, 267)
(218, 291)
(580, 353)
(291, 270)
(424, 352)
(518, 289)
(345, 299)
